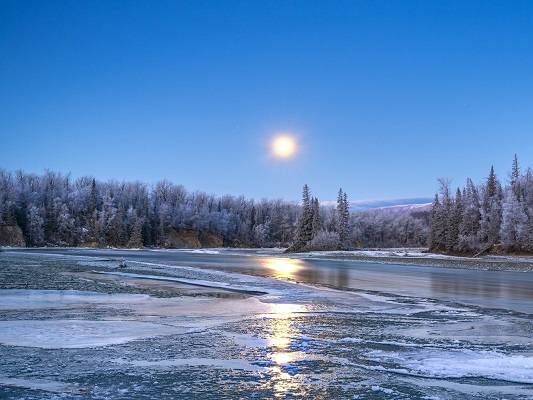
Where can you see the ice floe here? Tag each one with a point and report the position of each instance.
(72, 333)
(464, 363)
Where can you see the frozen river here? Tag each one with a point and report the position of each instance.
(512, 290)
(312, 328)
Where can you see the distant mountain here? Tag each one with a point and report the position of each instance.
(361, 205)
(401, 209)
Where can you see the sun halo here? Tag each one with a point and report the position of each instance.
(284, 146)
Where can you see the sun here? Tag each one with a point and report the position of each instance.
(284, 146)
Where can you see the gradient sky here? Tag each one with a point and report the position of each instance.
(384, 97)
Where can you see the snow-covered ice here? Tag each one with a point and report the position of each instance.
(73, 333)
(295, 340)
(460, 363)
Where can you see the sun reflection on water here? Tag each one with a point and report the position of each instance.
(281, 331)
(285, 268)
(282, 358)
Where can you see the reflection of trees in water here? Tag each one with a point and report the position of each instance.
(461, 285)
(335, 277)
(301, 271)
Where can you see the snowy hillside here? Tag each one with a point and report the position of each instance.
(402, 209)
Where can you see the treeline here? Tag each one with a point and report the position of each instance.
(377, 228)
(322, 231)
(53, 209)
(338, 229)
(486, 217)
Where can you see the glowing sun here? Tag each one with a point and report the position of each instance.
(284, 146)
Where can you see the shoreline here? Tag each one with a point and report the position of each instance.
(404, 256)
(417, 258)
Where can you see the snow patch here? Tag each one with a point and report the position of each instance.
(21, 299)
(72, 333)
(42, 384)
(458, 364)
(205, 251)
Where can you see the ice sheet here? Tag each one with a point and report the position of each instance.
(71, 333)
(42, 384)
(465, 363)
(238, 364)
(20, 299)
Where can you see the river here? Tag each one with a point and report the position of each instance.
(315, 328)
(511, 290)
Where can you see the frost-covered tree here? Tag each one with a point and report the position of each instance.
(470, 219)
(438, 226)
(66, 234)
(454, 222)
(375, 228)
(491, 216)
(316, 221)
(35, 226)
(513, 231)
(136, 234)
(491, 211)
(325, 241)
(514, 176)
(442, 237)
(304, 231)
(343, 217)
(8, 198)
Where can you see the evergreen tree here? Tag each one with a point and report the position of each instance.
(454, 222)
(438, 225)
(514, 227)
(491, 215)
(316, 221)
(346, 215)
(514, 178)
(305, 226)
(343, 216)
(304, 230)
(490, 190)
(471, 217)
(515, 171)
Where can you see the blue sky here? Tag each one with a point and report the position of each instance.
(383, 97)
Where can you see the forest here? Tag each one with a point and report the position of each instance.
(53, 209)
(486, 217)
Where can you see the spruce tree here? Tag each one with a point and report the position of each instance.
(304, 230)
(316, 220)
(306, 222)
(514, 177)
(454, 222)
(437, 226)
(343, 216)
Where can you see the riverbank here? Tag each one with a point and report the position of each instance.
(419, 257)
(404, 256)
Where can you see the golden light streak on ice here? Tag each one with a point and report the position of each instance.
(280, 333)
(282, 358)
